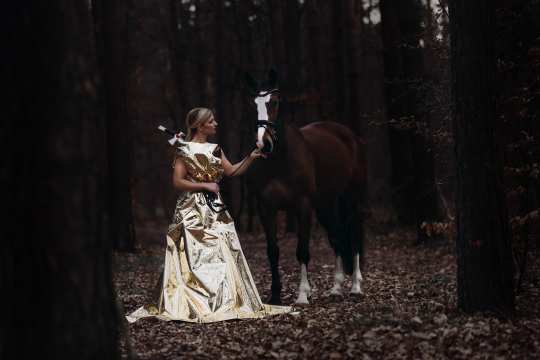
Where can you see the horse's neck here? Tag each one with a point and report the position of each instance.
(280, 162)
(289, 138)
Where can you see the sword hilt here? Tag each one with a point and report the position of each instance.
(176, 137)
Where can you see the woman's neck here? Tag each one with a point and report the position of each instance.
(199, 139)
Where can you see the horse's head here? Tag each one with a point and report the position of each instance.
(266, 98)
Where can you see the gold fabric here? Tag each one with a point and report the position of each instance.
(206, 277)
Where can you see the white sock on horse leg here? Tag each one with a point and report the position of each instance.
(338, 277)
(357, 276)
(304, 290)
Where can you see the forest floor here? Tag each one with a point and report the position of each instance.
(408, 310)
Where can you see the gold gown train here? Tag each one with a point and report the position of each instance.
(206, 277)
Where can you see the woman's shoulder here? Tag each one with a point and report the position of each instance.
(183, 149)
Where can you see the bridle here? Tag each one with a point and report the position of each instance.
(264, 93)
(270, 127)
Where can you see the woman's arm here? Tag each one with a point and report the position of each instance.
(240, 167)
(181, 183)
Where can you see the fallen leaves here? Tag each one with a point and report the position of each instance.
(408, 310)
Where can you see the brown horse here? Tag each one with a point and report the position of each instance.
(318, 167)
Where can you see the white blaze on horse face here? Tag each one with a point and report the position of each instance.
(262, 114)
(339, 276)
(304, 290)
(356, 277)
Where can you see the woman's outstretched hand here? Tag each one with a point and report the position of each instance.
(212, 187)
(257, 153)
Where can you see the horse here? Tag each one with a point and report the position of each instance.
(320, 167)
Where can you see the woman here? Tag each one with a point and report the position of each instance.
(206, 277)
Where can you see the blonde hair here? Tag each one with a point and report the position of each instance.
(195, 118)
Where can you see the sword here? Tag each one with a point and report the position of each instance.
(176, 137)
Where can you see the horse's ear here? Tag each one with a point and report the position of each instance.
(272, 79)
(251, 84)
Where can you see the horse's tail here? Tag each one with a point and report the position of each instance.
(352, 212)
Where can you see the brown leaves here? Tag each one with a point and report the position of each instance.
(409, 310)
(447, 228)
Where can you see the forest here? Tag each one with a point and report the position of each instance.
(442, 97)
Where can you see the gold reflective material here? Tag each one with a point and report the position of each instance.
(206, 277)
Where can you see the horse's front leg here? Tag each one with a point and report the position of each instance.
(302, 250)
(268, 220)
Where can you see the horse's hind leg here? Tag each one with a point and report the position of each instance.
(267, 215)
(329, 219)
(356, 234)
(302, 249)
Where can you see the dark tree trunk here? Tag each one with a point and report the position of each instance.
(177, 106)
(341, 64)
(291, 30)
(113, 41)
(246, 116)
(485, 274)
(316, 36)
(56, 266)
(224, 100)
(400, 137)
(278, 42)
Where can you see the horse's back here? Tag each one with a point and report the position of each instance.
(329, 131)
(338, 154)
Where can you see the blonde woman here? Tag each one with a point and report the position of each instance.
(206, 277)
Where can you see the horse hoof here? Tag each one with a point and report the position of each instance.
(335, 291)
(356, 290)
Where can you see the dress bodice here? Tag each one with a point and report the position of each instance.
(202, 161)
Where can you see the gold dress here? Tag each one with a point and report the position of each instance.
(206, 277)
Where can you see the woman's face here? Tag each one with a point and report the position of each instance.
(208, 127)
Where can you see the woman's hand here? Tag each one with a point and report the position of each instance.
(212, 187)
(257, 153)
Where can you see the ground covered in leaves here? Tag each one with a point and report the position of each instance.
(408, 310)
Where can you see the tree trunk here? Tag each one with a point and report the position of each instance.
(247, 116)
(279, 50)
(400, 137)
(56, 265)
(485, 274)
(224, 101)
(112, 21)
(341, 64)
(316, 34)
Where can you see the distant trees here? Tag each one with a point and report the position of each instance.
(192, 53)
(484, 256)
(415, 196)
